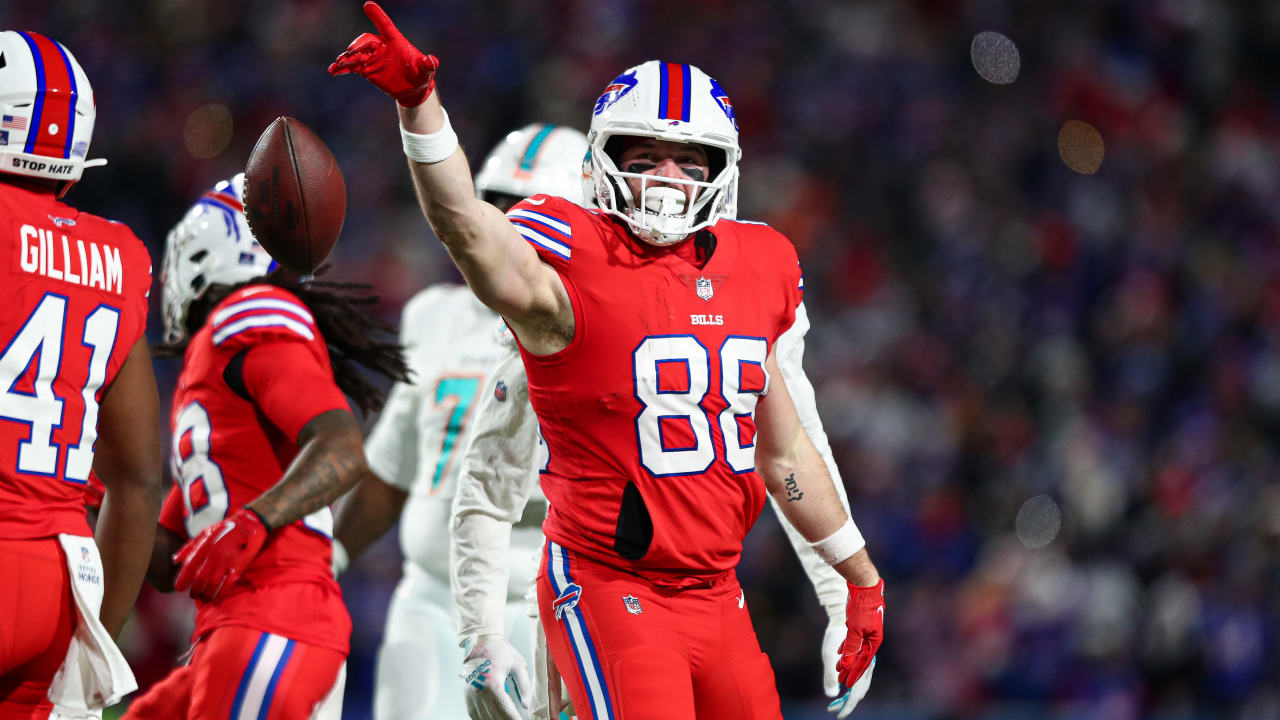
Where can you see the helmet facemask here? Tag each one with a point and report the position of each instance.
(662, 215)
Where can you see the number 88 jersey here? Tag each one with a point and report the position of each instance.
(73, 305)
(649, 413)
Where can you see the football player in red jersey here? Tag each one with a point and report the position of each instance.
(647, 330)
(263, 442)
(77, 394)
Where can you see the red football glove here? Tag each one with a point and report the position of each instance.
(864, 618)
(390, 62)
(216, 557)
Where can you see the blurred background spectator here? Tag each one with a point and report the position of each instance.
(1043, 268)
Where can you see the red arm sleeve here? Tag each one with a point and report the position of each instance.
(290, 385)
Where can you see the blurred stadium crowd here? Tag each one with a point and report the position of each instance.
(1055, 397)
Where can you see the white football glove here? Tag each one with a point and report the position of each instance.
(831, 640)
(844, 705)
(497, 679)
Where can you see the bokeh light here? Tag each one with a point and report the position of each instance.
(1081, 146)
(207, 131)
(995, 57)
(1038, 522)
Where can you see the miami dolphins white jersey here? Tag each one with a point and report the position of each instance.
(452, 343)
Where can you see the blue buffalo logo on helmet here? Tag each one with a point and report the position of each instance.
(620, 86)
(722, 99)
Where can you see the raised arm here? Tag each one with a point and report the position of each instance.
(798, 481)
(500, 267)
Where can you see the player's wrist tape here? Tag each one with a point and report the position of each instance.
(431, 147)
(340, 557)
(840, 545)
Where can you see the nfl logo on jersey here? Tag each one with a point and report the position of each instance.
(633, 604)
(704, 288)
(500, 392)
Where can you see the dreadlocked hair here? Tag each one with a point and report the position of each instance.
(352, 336)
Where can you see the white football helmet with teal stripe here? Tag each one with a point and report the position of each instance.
(667, 101)
(537, 159)
(46, 110)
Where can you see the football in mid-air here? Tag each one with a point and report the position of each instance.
(295, 197)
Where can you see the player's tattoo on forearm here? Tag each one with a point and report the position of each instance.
(330, 461)
(794, 492)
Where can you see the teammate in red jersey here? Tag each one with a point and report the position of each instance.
(647, 332)
(263, 442)
(76, 394)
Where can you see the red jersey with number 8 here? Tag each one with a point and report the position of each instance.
(74, 303)
(649, 414)
(252, 377)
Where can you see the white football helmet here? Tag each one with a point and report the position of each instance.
(667, 101)
(537, 159)
(211, 244)
(46, 110)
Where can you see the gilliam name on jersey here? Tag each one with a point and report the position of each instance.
(78, 262)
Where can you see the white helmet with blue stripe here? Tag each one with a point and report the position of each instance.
(212, 244)
(667, 101)
(537, 159)
(47, 109)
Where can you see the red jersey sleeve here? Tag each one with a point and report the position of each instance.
(290, 385)
(547, 223)
(172, 513)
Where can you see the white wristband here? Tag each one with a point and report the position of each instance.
(432, 147)
(840, 545)
(340, 558)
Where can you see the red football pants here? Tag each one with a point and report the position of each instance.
(240, 673)
(629, 650)
(37, 618)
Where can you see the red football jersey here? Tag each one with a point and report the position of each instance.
(252, 377)
(74, 304)
(658, 388)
